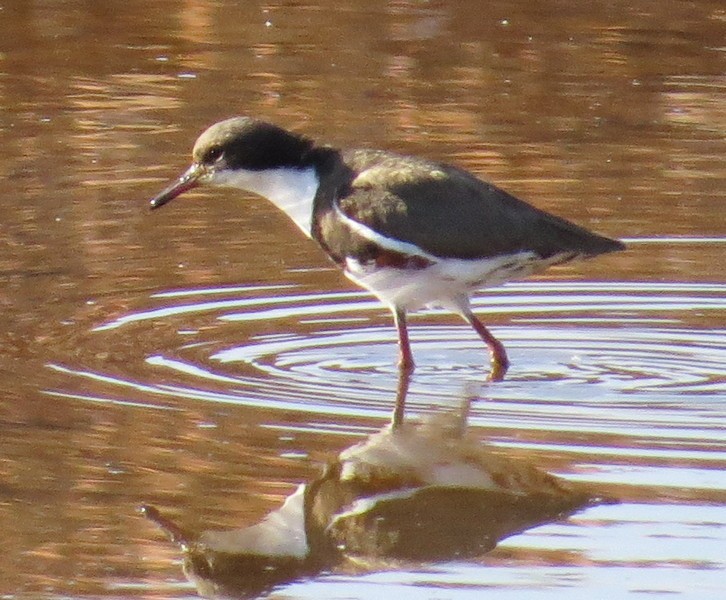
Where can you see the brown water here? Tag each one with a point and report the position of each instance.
(206, 358)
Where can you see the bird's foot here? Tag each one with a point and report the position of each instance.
(499, 362)
(499, 370)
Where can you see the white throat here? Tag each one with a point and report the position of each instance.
(279, 534)
(291, 190)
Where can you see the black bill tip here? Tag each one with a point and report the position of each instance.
(186, 182)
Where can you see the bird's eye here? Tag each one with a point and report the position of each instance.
(213, 154)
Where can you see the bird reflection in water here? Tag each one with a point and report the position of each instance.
(413, 492)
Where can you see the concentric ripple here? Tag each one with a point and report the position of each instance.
(336, 352)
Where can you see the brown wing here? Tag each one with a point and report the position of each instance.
(449, 213)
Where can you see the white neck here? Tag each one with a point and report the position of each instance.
(291, 190)
(279, 534)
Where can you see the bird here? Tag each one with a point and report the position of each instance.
(425, 491)
(414, 232)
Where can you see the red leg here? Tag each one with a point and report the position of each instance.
(405, 357)
(404, 378)
(500, 362)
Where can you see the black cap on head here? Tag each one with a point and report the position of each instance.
(247, 143)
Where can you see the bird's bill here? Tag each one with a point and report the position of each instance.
(189, 180)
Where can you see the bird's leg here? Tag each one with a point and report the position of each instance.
(500, 362)
(404, 378)
(405, 357)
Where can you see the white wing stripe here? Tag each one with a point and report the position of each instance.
(381, 240)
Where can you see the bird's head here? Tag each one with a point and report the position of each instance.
(238, 152)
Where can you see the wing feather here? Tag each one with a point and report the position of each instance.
(448, 213)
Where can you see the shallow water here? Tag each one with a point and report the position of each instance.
(206, 358)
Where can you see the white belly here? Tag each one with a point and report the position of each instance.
(445, 282)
